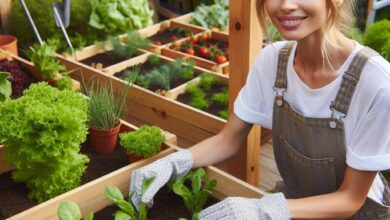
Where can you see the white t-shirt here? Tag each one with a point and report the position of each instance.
(367, 124)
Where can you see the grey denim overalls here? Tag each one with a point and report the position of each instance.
(310, 152)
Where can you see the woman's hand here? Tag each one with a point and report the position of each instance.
(271, 206)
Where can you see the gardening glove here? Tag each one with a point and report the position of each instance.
(163, 170)
(270, 207)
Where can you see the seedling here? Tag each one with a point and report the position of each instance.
(69, 210)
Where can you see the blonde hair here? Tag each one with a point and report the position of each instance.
(340, 19)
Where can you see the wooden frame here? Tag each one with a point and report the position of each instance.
(201, 62)
(90, 197)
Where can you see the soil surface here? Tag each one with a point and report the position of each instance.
(14, 196)
(107, 59)
(165, 36)
(146, 68)
(214, 108)
(166, 205)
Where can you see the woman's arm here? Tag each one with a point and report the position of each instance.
(223, 145)
(340, 204)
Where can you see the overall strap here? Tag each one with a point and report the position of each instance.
(350, 79)
(281, 74)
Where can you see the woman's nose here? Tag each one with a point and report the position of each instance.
(288, 5)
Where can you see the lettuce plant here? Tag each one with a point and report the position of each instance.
(69, 210)
(42, 132)
(144, 142)
(5, 86)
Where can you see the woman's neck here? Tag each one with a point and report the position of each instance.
(310, 64)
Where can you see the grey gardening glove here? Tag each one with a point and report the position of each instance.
(168, 168)
(270, 207)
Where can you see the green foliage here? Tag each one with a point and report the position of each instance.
(216, 15)
(127, 210)
(153, 60)
(44, 58)
(106, 106)
(42, 132)
(194, 198)
(42, 13)
(166, 74)
(69, 210)
(198, 100)
(207, 81)
(144, 142)
(223, 114)
(65, 82)
(221, 98)
(273, 33)
(132, 42)
(5, 86)
(119, 16)
(378, 36)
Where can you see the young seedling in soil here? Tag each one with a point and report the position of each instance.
(127, 209)
(69, 210)
(196, 196)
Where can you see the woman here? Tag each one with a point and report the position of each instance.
(327, 100)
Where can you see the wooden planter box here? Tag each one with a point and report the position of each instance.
(94, 50)
(187, 18)
(162, 26)
(126, 127)
(90, 197)
(201, 62)
(29, 66)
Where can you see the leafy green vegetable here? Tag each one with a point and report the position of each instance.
(42, 132)
(106, 106)
(5, 86)
(69, 210)
(216, 15)
(221, 98)
(119, 16)
(127, 210)
(132, 42)
(153, 59)
(65, 82)
(145, 142)
(198, 100)
(378, 36)
(194, 198)
(44, 58)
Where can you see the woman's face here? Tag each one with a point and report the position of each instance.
(297, 19)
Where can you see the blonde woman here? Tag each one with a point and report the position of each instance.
(327, 100)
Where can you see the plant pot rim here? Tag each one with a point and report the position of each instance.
(9, 39)
(106, 129)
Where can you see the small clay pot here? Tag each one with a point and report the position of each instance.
(9, 43)
(104, 141)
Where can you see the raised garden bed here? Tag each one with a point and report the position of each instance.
(90, 197)
(14, 196)
(162, 32)
(191, 49)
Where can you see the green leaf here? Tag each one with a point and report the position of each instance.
(113, 193)
(89, 216)
(69, 211)
(119, 215)
(127, 208)
(5, 86)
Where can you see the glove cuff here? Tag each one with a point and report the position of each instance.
(182, 162)
(275, 206)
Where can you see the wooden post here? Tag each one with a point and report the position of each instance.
(5, 10)
(244, 44)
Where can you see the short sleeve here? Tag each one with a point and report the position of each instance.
(255, 100)
(369, 148)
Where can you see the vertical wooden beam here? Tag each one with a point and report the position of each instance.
(5, 11)
(244, 44)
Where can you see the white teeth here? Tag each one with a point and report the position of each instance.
(291, 22)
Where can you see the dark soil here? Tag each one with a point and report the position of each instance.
(146, 68)
(107, 59)
(165, 36)
(214, 108)
(14, 196)
(166, 205)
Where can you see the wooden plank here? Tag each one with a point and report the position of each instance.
(244, 44)
(5, 12)
(111, 70)
(90, 197)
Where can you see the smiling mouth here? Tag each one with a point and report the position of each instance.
(290, 22)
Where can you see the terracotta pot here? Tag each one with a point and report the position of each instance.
(9, 43)
(134, 158)
(104, 141)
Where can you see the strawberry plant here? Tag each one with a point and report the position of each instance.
(42, 132)
(194, 197)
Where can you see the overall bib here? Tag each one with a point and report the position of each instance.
(310, 153)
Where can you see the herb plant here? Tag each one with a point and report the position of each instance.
(65, 82)
(131, 43)
(5, 86)
(127, 210)
(69, 210)
(216, 15)
(195, 197)
(42, 132)
(144, 142)
(198, 100)
(44, 58)
(119, 16)
(105, 106)
(153, 60)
